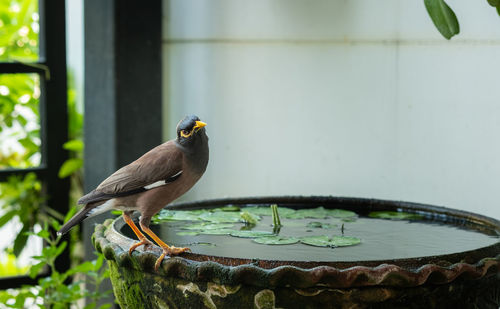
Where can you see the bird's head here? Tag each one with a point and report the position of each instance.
(190, 129)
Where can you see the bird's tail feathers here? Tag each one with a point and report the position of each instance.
(77, 218)
(87, 211)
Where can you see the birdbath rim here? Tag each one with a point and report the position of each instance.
(438, 269)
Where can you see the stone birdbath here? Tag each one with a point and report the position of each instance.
(309, 252)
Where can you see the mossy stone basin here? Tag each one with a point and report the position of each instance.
(454, 265)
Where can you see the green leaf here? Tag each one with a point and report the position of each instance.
(251, 234)
(7, 216)
(395, 215)
(98, 262)
(443, 17)
(249, 218)
(28, 144)
(43, 234)
(221, 217)
(85, 267)
(494, 3)
(60, 249)
(35, 269)
(341, 213)
(20, 241)
(342, 241)
(75, 145)
(314, 213)
(267, 211)
(228, 208)
(325, 241)
(276, 240)
(69, 167)
(318, 241)
(177, 215)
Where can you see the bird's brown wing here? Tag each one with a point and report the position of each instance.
(160, 163)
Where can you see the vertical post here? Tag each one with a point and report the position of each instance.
(122, 89)
(54, 114)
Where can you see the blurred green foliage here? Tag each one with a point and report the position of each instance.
(54, 291)
(21, 198)
(19, 120)
(19, 30)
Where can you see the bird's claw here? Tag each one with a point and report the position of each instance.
(169, 251)
(147, 244)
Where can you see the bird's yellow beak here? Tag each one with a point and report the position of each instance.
(199, 125)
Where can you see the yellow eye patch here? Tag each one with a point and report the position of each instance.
(197, 127)
(186, 133)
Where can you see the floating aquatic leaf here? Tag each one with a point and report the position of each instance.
(276, 240)
(341, 213)
(267, 211)
(321, 225)
(325, 241)
(227, 208)
(395, 215)
(314, 213)
(178, 215)
(221, 216)
(187, 233)
(251, 234)
(343, 241)
(249, 218)
(207, 226)
(318, 241)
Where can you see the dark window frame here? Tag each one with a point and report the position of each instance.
(51, 67)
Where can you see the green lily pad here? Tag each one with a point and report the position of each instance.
(227, 208)
(178, 215)
(221, 217)
(341, 213)
(187, 233)
(266, 210)
(325, 241)
(314, 213)
(276, 240)
(207, 226)
(251, 234)
(343, 241)
(249, 218)
(318, 241)
(395, 215)
(321, 225)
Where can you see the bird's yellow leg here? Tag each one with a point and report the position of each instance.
(167, 250)
(142, 239)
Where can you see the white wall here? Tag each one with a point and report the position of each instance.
(356, 98)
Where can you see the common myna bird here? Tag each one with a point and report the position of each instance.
(151, 182)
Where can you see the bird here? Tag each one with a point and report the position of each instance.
(149, 183)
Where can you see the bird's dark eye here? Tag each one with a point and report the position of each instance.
(185, 133)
